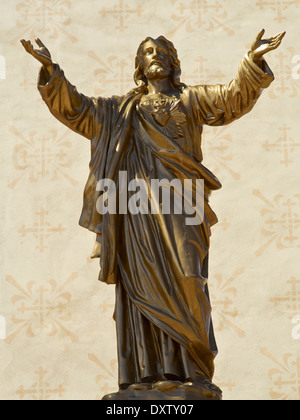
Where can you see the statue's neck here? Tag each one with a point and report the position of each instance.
(160, 86)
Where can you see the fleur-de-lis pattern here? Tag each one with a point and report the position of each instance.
(280, 9)
(286, 85)
(114, 74)
(44, 16)
(42, 157)
(193, 15)
(122, 13)
(41, 389)
(289, 300)
(284, 376)
(60, 334)
(285, 145)
(41, 308)
(41, 230)
(106, 375)
(218, 152)
(281, 222)
(223, 295)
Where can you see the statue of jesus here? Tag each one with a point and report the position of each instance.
(158, 263)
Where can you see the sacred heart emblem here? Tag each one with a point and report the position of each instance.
(161, 116)
(167, 115)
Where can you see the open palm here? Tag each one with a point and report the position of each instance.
(262, 46)
(42, 54)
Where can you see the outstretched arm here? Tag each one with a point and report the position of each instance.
(222, 104)
(76, 111)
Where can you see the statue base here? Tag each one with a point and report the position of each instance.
(202, 390)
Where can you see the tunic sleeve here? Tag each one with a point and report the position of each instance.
(222, 104)
(77, 111)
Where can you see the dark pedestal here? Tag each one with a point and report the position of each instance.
(169, 390)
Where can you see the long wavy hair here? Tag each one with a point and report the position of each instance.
(139, 76)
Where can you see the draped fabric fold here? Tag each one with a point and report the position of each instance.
(158, 263)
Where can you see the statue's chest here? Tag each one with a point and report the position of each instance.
(167, 113)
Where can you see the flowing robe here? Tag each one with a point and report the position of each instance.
(158, 263)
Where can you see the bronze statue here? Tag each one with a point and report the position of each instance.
(159, 264)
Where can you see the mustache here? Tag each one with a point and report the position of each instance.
(153, 62)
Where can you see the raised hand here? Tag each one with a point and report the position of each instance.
(42, 54)
(262, 46)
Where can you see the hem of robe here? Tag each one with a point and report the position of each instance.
(146, 352)
(202, 355)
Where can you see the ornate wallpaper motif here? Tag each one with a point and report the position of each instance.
(285, 145)
(284, 376)
(122, 12)
(192, 15)
(281, 221)
(41, 389)
(114, 74)
(48, 17)
(45, 156)
(280, 9)
(41, 230)
(223, 295)
(286, 84)
(41, 309)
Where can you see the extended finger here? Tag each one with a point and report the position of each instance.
(282, 35)
(39, 43)
(27, 45)
(278, 36)
(24, 42)
(277, 41)
(260, 35)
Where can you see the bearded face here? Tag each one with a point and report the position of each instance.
(156, 60)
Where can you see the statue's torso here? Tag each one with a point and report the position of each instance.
(173, 116)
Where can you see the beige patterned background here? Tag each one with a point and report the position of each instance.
(60, 337)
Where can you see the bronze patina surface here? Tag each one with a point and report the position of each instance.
(159, 264)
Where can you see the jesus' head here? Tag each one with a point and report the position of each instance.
(157, 59)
